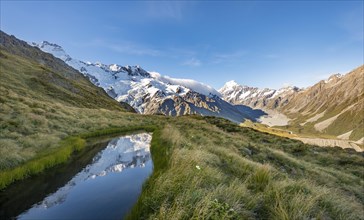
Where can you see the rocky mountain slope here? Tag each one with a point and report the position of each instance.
(255, 97)
(334, 106)
(327, 107)
(151, 93)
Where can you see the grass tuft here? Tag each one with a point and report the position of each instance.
(204, 167)
(260, 180)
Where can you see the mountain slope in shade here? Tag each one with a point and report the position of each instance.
(334, 106)
(151, 93)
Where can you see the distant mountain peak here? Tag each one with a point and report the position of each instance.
(150, 92)
(255, 97)
(136, 71)
(231, 83)
(289, 88)
(114, 67)
(337, 75)
(229, 86)
(52, 48)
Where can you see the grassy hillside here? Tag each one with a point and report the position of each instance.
(40, 99)
(204, 167)
(218, 170)
(267, 129)
(31, 73)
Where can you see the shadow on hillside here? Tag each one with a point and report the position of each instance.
(253, 114)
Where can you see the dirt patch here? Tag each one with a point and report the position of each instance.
(360, 141)
(314, 118)
(274, 119)
(345, 136)
(326, 123)
(330, 143)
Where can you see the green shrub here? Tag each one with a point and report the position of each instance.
(220, 210)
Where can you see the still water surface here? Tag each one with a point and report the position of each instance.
(106, 188)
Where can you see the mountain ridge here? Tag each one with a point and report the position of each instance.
(255, 97)
(333, 106)
(309, 109)
(150, 92)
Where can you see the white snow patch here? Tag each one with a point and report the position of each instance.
(269, 92)
(244, 95)
(114, 67)
(230, 84)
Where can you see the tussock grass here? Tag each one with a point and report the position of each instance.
(204, 167)
(232, 183)
(260, 179)
(244, 174)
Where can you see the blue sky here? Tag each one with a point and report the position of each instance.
(256, 43)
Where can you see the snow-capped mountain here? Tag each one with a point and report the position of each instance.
(255, 97)
(150, 92)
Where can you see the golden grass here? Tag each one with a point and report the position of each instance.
(204, 167)
(231, 185)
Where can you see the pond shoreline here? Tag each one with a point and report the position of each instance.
(55, 181)
(60, 155)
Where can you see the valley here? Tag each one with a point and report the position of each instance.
(309, 112)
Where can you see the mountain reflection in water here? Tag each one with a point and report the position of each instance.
(120, 154)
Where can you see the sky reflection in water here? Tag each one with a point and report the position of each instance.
(106, 188)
